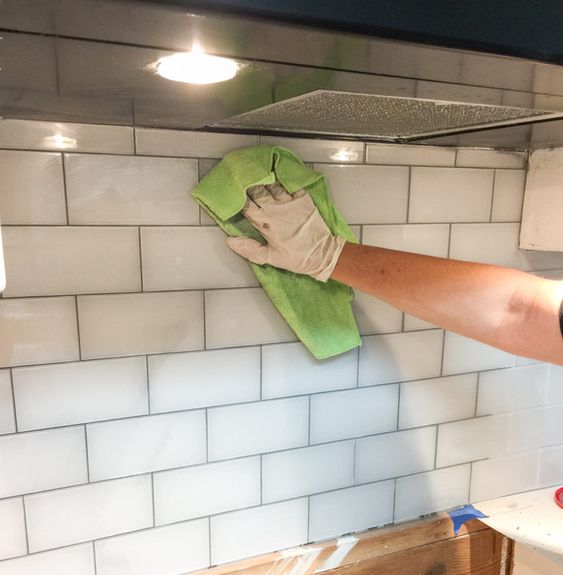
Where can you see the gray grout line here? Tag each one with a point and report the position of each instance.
(308, 518)
(153, 500)
(140, 259)
(77, 327)
(470, 480)
(477, 393)
(394, 499)
(309, 420)
(493, 196)
(147, 377)
(65, 193)
(207, 435)
(443, 353)
(13, 392)
(203, 306)
(409, 194)
(87, 454)
(26, 531)
(261, 479)
(436, 448)
(209, 539)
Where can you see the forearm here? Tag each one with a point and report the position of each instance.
(502, 307)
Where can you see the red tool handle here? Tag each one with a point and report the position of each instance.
(559, 497)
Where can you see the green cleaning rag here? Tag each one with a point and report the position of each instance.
(319, 313)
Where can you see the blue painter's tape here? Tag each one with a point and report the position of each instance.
(462, 514)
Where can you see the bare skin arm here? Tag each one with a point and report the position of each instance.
(505, 308)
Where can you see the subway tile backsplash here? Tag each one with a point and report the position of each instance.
(157, 415)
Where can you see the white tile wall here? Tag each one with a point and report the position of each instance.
(130, 190)
(258, 530)
(257, 427)
(141, 444)
(12, 527)
(88, 512)
(395, 454)
(351, 509)
(243, 317)
(7, 419)
(353, 413)
(450, 195)
(290, 474)
(191, 258)
(400, 357)
(206, 489)
(438, 490)
(42, 460)
(162, 551)
(68, 393)
(204, 378)
(437, 400)
(207, 463)
(289, 369)
(32, 187)
(70, 260)
(77, 560)
(39, 330)
(112, 325)
(368, 194)
(189, 144)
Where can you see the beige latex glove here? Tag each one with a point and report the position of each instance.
(298, 238)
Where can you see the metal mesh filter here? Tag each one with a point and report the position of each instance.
(379, 117)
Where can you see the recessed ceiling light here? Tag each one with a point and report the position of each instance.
(196, 68)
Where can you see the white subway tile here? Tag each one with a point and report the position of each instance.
(68, 393)
(250, 532)
(132, 324)
(39, 330)
(497, 244)
(505, 390)
(351, 509)
(289, 369)
(70, 260)
(191, 258)
(551, 465)
(508, 195)
(206, 489)
(42, 460)
(395, 454)
(450, 195)
(374, 315)
(141, 444)
(353, 413)
(428, 239)
(239, 430)
(88, 512)
(161, 551)
(412, 323)
(189, 144)
(130, 190)
(32, 187)
(243, 317)
(498, 477)
(456, 92)
(534, 428)
(438, 490)
(555, 389)
(437, 400)
(471, 439)
(12, 527)
(368, 194)
(26, 134)
(290, 474)
(485, 158)
(400, 357)
(408, 155)
(7, 420)
(310, 150)
(204, 378)
(77, 560)
(462, 355)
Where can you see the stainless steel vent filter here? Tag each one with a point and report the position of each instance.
(379, 117)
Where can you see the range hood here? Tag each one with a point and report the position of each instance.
(93, 61)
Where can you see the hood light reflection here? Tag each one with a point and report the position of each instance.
(196, 68)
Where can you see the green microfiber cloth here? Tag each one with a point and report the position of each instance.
(319, 313)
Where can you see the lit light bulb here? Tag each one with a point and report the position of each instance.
(196, 67)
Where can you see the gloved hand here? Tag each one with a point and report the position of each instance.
(298, 238)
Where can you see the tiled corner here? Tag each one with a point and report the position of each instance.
(209, 489)
(351, 509)
(410, 155)
(12, 526)
(297, 472)
(368, 194)
(134, 324)
(173, 549)
(7, 416)
(289, 369)
(204, 378)
(258, 530)
(77, 392)
(353, 413)
(247, 429)
(508, 195)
